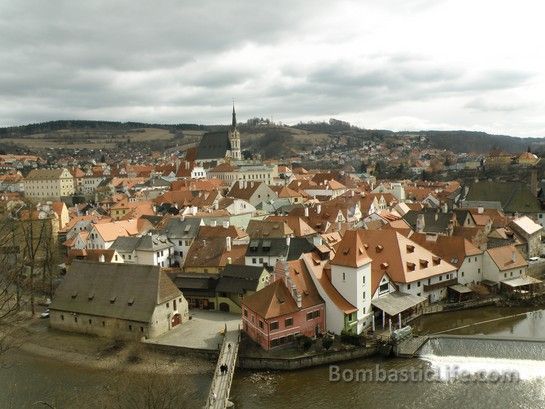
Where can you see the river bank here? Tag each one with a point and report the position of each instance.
(37, 339)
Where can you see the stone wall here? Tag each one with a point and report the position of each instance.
(284, 364)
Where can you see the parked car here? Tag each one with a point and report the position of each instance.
(45, 314)
(533, 258)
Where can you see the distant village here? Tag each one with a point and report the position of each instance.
(140, 245)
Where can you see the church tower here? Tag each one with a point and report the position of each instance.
(234, 137)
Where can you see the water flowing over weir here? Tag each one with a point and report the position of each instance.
(478, 353)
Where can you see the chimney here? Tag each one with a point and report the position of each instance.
(240, 184)
(420, 223)
(445, 207)
(101, 258)
(352, 193)
(288, 239)
(225, 224)
(480, 210)
(298, 299)
(317, 240)
(306, 211)
(318, 208)
(229, 260)
(513, 256)
(193, 210)
(213, 223)
(228, 243)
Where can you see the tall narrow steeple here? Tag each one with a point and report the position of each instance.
(234, 121)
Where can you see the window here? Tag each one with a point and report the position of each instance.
(344, 276)
(254, 260)
(130, 327)
(363, 295)
(273, 326)
(409, 286)
(141, 329)
(462, 273)
(440, 278)
(245, 313)
(62, 317)
(260, 324)
(103, 323)
(75, 319)
(418, 284)
(179, 242)
(383, 288)
(288, 322)
(90, 321)
(312, 315)
(168, 305)
(475, 258)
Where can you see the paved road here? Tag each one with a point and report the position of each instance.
(221, 383)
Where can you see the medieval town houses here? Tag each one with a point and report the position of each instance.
(289, 251)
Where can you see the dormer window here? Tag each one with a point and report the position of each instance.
(131, 301)
(379, 248)
(74, 295)
(112, 300)
(410, 266)
(384, 265)
(410, 248)
(423, 263)
(436, 260)
(91, 296)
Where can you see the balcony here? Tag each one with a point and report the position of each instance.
(440, 284)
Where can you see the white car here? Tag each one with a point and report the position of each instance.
(45, 314)
(533, 258)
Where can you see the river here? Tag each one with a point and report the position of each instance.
(28, 379)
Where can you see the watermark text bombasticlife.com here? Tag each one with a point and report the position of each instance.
(422, 373)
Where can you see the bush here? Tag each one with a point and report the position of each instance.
(305, 342)
(327, 342)
(347, 338)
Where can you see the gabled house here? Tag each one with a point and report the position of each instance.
(503, 263)
(150, 249)
(458, 251)
(288, 307)
(530, 232)
(252, 192)
(181, 233)
(102, 235)
(117, 301)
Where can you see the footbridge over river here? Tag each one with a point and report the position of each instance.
(218, 396)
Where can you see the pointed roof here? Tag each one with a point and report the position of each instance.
(272, 301)
(351, 251)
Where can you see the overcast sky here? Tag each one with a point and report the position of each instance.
(392, 64)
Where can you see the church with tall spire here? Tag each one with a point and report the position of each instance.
(234, 137)
(219, 146)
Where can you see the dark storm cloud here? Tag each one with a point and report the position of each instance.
(177, 61)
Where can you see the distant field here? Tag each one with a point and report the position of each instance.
(90, 139)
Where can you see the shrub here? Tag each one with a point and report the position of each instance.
(305, 343)
(327, 342)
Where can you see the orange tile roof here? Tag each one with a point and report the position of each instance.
(393, 253)
(318, 269)
(507, 257)
(351, 251)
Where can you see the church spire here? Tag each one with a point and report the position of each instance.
(234, 122)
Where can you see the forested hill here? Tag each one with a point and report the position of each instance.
(51, 126)
(309, 133)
